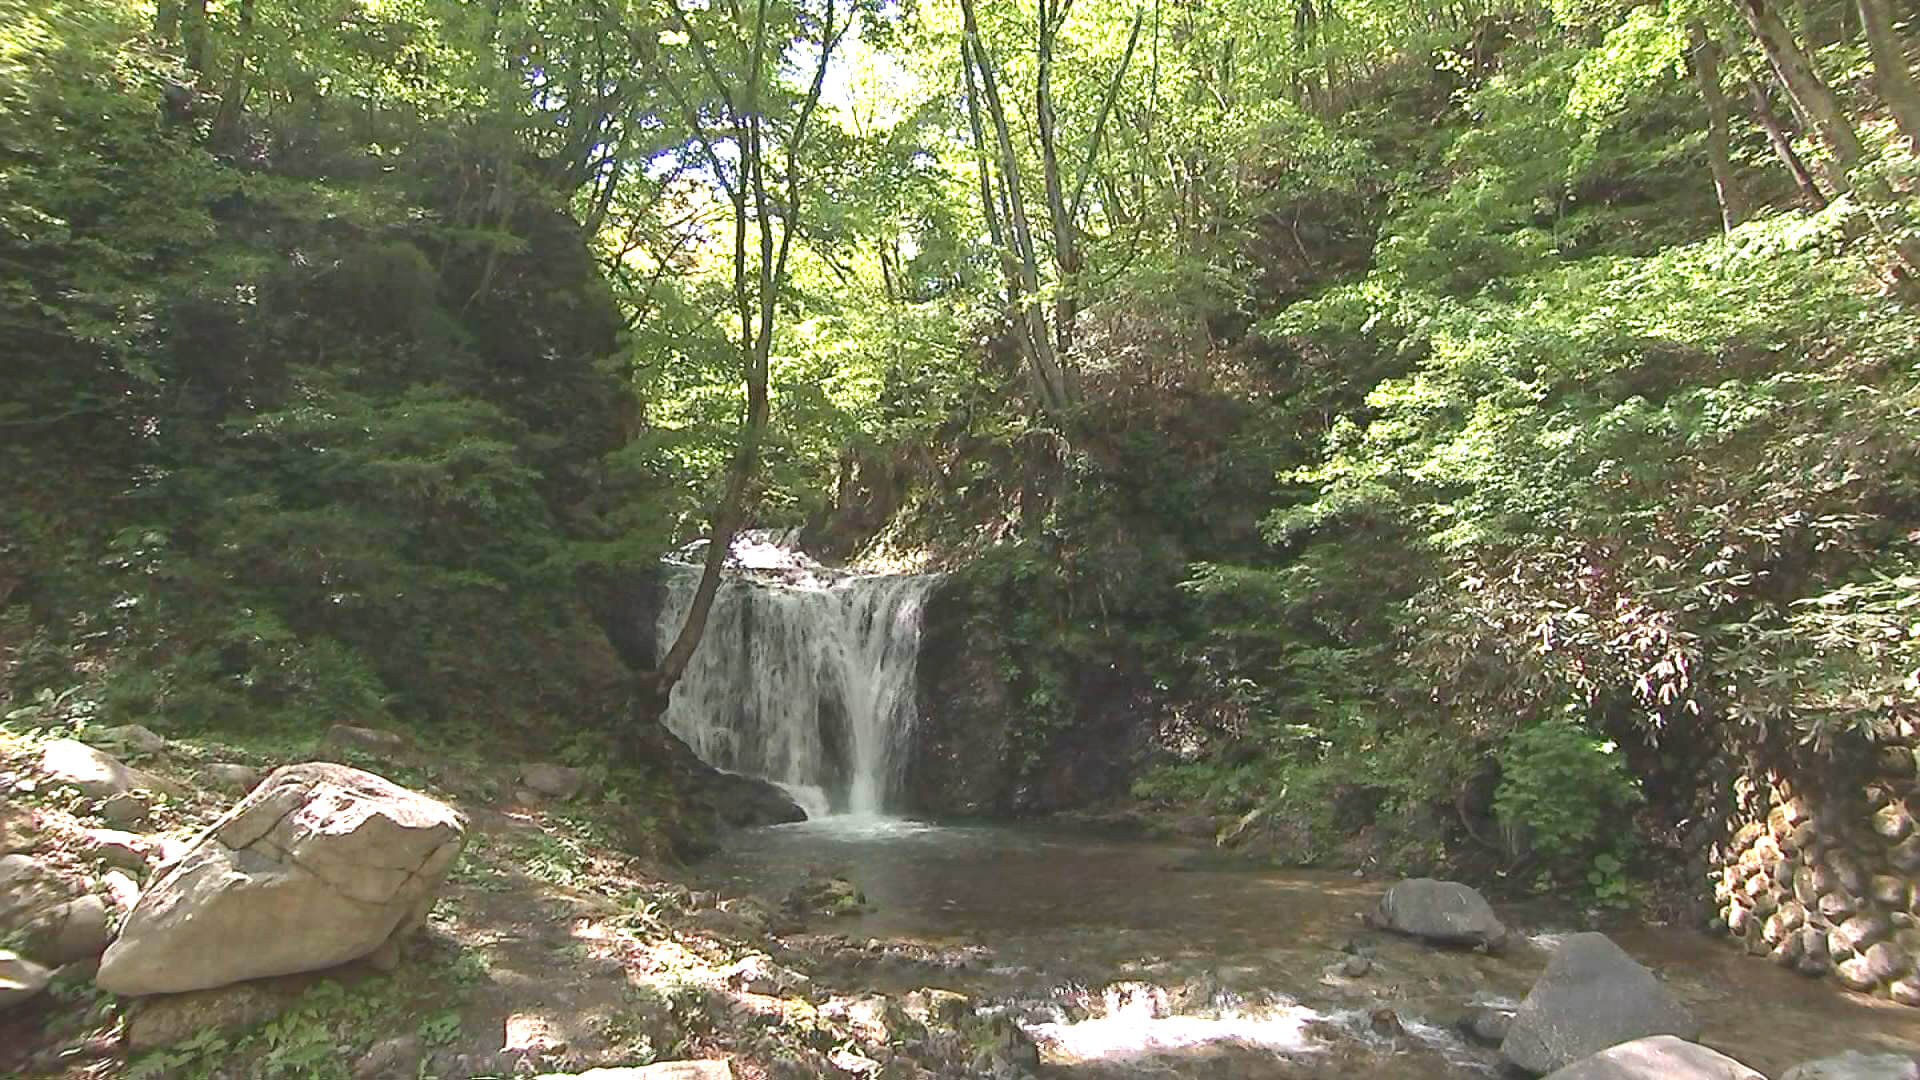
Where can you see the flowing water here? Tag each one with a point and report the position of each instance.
(1121, 960)
(1124, 964)
(805, 676)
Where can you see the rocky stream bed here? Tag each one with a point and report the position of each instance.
(483, 921)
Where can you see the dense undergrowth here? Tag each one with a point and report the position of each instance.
(1471, 546)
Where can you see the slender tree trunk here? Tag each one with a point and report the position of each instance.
(756, 306)
(1890, 75)
(1815, 98)
(1782, 143)
(1066, 257)
(1047, 372)
(233, 99)
(193, 36)
(1706, 73)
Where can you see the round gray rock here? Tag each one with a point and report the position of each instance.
(1486, 1024)
(232, 777)
(1657, 1057)
(1592, 996)
(553, 781)
(1442, 911)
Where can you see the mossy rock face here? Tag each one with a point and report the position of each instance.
(828, 897)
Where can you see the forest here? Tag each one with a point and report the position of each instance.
(1473, 436)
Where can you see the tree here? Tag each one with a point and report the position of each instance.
(749, 135)
(1891, 77)
(1706, 74)
(1810, 93)
(1046, 343)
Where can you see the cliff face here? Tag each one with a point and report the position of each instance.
(984, 748)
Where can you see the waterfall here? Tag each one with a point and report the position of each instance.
(804, 677)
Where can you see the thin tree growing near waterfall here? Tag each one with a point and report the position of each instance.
(747, 133)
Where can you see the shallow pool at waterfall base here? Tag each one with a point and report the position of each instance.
(1124, 963)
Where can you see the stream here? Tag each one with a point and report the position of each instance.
(1123, 964)
(1121, 958)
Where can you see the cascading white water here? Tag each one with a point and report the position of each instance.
(805, 679)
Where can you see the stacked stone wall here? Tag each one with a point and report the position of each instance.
(1823, 876)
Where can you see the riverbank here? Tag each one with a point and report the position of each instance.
(972, 950)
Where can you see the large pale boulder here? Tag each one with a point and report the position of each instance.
(1657, 1057)
(1443, 911)
(319, 865)
(97, 775)
(1592, 996)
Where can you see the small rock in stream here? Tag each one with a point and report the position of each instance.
(1356, 966)
(1386, 1022)
(1486, 1024)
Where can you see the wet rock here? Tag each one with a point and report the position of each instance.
(96, 774)
(396, 1058)
(228, 776)
(746, 802)
(1906, 991)
(553, 781)
(318, 866)
(1591, 996)
(129, 809)
(20, 979)
(133, 737)
(1854, 1065)
(1385, 1022)
(1354, 967)
(1442, 911)
(1657, 1057)
(1002, 1045)
(824, 895)
(1486, 1024)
